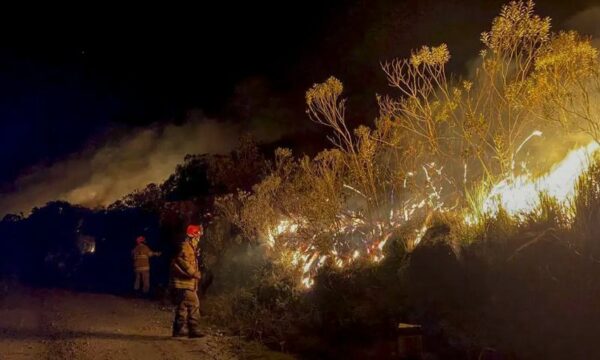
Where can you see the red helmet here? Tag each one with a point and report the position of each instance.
(194, 230)
(140, 239)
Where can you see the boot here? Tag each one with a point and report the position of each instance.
(178, 330)
(195, 333)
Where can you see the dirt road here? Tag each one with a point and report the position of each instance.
(58, 324)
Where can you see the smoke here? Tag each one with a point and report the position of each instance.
(556, 143)
(104, 173)
(586, 22)
(541, 153)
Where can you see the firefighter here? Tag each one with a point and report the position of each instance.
(141, 255)
(185, 276)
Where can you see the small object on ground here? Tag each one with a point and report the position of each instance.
(410, 341)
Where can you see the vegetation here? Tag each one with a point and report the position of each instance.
(325, 255)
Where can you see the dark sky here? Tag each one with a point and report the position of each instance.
(69, 76)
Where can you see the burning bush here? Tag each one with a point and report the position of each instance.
(430, 149)
(448, 180)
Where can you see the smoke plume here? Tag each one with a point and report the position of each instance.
(586, 22)
(104, 173)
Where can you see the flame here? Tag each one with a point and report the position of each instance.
(518, 195)
(419, 234)
(284, 226)
(521, 195)
(308, 282)
(351, 224)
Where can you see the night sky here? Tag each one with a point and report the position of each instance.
(69, 78)
(74, 76)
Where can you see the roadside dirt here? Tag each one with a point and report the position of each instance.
(58, 324)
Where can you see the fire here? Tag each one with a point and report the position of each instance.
(516, 194)
(373, 237)
(284, 226)
(521, 194)
(419, 234)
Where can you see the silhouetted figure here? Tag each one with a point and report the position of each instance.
(141, 255)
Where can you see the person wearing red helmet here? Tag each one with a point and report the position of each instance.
(184, 279)
(141, 255)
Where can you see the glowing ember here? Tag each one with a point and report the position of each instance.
(518, 195)
(420, 233)
(308, 265)
(308, 282)
(322, 260)
(284, 226)
(352, 224)
(382, 244)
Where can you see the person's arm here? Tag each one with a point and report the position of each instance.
(155, 253)
(148, 252)
(186, 262)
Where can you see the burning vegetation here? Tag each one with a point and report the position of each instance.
(442, 146)
(469, 206)
(485, 185)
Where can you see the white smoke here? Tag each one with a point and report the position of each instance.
(103, 174)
